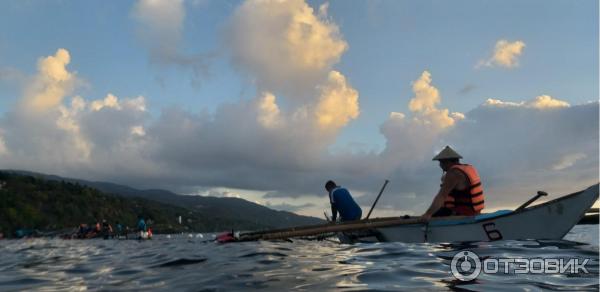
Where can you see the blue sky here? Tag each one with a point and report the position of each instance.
(389, 46)
(391, 42)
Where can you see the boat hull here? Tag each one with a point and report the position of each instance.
(550, 220)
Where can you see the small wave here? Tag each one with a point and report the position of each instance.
(277, 266)
(256, 254)
(180, 262)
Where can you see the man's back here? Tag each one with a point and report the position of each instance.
(345, 204)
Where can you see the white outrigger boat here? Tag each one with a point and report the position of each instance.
(549, 220)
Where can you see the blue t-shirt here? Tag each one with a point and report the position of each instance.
(342, 201)
(141, 225)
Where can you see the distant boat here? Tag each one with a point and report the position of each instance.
(549, 220)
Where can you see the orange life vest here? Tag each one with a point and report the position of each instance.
(470, 201)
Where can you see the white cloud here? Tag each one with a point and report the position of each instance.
(289, 50)
(269, 113)
(67, 121)
(500, 103)
(457, 116)
(542, 102)
(411, 138)
(138, 103)
(138, 130)
(284, 45)
(160, 27)
(506, 54)
(424, 104)
(278, 141)
(516, 147)
(52, 82)
(397, 116)
(162, 19)
(547, 102)
(45, 134)
(568, 161)
(338, 103)
(109, 101)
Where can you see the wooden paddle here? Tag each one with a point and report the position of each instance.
(377, 199)
(539, 194)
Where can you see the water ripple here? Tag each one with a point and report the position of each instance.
(189, 263)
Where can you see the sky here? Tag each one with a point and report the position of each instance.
(267, 100)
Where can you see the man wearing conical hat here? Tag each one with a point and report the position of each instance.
(461, 191)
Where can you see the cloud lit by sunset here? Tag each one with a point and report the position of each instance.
(270, 99)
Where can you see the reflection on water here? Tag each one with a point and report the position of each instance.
(191, 263)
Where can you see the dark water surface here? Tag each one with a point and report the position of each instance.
(189, 263)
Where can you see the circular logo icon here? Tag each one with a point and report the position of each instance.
(465, 266)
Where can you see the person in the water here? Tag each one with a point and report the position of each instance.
(141, 225)
(119, 227)
(342, 202)
(107, 230)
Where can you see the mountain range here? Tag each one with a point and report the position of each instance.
(223, 213)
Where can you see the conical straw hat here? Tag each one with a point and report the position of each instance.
(447, 153)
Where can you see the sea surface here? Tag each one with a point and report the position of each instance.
(191, 262)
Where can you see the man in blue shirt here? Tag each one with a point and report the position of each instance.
(342, 202)
(141, 224)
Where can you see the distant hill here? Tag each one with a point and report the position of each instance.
(214, 214)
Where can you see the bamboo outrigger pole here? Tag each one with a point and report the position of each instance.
(326, 228)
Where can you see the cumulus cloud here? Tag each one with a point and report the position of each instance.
(129, 113)
(499, 103)
(540, 102)
(411, 138)
(289, 49)
(284, 45)
(138, 130)
(160, 27)
(338, 103)
(546, 101)
(269, 113)
(277, 142)
(255, 145)
(45, 133)
(506, 54)
(424, 104)
(110, 101)
(52, 82)
(518, 147)
(517, 150)
(67, 121)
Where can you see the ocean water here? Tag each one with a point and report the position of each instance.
(191, 263)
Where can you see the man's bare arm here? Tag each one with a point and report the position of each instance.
(333, 213)
(450, 181)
